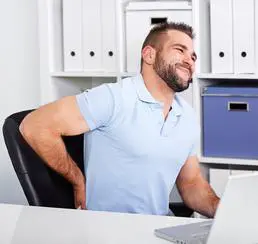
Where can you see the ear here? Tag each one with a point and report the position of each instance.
(148, 55)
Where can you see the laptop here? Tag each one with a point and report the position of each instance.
(235, 221)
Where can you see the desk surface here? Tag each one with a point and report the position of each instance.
(38, 225)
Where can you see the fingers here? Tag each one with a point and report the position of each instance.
(80, 197)
(79, 202)
(80, 205)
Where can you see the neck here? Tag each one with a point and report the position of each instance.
(157, 87)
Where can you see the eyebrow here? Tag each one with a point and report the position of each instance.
(185, 48)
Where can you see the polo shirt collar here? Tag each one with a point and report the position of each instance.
(145, 96)
(176, 107)
(142, 91)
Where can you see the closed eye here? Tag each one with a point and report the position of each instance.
(180, 50)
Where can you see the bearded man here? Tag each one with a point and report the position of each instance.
(140, 135)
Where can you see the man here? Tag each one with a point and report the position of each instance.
(140, 135)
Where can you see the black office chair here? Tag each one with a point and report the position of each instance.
(41, 185)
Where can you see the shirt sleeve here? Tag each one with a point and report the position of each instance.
(196, 140)
(96, 106)
(193, 151)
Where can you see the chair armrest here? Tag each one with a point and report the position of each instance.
(180, 209)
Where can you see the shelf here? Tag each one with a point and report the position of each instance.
(233, 161)
(128, 74)
(84, 74)
(92, 74)
(227, 76)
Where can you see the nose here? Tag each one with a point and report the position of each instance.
(189, 61)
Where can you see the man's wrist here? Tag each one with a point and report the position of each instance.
(79, 179)
(74, 174)
(215, 206)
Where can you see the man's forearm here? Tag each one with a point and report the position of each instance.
(199, 196)
(50, 147)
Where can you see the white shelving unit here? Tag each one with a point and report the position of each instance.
(215, 169)
(56, 83)
(204, 76)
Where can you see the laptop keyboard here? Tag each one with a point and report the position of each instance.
(194, 233)
(201, 237)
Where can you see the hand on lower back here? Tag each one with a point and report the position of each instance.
(80, 195)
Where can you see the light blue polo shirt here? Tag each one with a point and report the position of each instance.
(132, 156)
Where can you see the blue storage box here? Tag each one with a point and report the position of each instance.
(230, 122)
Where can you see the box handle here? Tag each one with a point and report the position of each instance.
(238, 106)
(160, 20)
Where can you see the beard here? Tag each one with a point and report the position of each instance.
(167, 72)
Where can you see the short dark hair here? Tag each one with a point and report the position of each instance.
(156, 35)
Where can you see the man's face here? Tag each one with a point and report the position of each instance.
(175, 62)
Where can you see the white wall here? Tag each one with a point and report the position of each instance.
(19, 79)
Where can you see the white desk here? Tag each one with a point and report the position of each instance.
(37, 225)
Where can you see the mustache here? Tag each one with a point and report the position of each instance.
(185, 66)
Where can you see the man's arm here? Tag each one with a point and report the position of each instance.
(195, 190)
(43, 130)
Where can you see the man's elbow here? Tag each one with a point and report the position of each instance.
(27, 128)
(24, 128)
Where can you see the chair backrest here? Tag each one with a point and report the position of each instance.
(41, 185)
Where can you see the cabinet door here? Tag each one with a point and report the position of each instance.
(109, 44)
(243, 37)
(72, 35)
(92, 49)
(221, 36)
